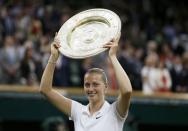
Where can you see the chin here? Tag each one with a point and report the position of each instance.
(91, 99)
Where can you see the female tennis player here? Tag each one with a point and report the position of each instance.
(98, 115)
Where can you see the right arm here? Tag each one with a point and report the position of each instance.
(61, 102)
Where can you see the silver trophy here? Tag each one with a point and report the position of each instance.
(84, 34)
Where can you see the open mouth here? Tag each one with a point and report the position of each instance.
(91, 94)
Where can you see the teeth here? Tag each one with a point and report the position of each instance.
(89, 94)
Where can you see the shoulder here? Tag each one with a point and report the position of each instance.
(76, 109)
(113, 108)
(75, 103)
(144, 70)
(76, 106)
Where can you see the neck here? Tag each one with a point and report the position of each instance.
(94, 107)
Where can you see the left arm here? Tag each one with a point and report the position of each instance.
(123, 81)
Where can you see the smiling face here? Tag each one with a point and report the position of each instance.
(94, 87)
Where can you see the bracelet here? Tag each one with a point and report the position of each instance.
(52, 62)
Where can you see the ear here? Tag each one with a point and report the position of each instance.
(106, 88)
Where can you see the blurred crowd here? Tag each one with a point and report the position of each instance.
(153, 48)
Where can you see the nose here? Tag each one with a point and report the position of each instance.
(90, 88)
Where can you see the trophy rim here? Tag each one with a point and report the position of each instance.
(72, 23)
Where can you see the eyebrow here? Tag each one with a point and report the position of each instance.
(93, 82)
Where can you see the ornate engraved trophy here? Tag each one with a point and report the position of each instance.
(84, 34)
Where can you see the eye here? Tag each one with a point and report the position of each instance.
(95, 84)
(87, 85)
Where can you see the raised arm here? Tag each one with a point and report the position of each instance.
(61, 102)
(125, 88)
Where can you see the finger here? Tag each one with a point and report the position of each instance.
(56, 40)
(110, 43)
(56, 37)
(118, 37)
(113, 40)
(56, 45)
(107, 45)
(55, 34)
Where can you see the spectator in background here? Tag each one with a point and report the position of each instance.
(1, 71)
(176, 73)
(111, 76)
(75, 73)
(163, 80)
(138, 65)
(61, 71)
(166, 55)
(28, 68)
(10, 61)
(8, 22)
(35, 31)
(54, 124)
(87, 64)
(151, 47)
(129, 58)
(44, 49)
(149, 74)
(184, 86)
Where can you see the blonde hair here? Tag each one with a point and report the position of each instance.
(100, 72)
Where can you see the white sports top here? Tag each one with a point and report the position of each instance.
(106, 119)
